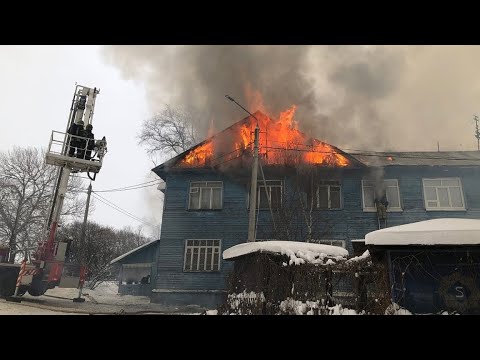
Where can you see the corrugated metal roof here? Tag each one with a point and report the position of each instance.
(423, 158)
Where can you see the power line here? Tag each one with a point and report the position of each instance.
(111, 203)
(134, 218)
(97, 198)
(119, 209)
(133, 187)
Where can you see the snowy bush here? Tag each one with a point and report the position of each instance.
(263, 283)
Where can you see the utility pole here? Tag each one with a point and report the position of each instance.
(253, 190)
(82, 241)
(253, 185)
(477, 131)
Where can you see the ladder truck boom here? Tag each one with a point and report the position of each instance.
(72, 151)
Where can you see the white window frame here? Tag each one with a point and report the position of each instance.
(329, 201)
(389, 208)
(330, 242)
(199, 189)
(192, 247)
(451, 208)
(261, 187)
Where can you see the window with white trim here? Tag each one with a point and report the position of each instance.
(205, 195)
(391, 189)
(272, 195)
(443, 194)
(339, 243)
(202, 255)
(328, 195)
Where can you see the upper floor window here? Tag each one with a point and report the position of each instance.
(443, 194)
(269, 194)
(205, 195)
(328, 194)
(370, 191)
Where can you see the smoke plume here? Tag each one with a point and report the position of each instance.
(354, 97)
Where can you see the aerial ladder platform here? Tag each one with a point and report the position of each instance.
(71, 151)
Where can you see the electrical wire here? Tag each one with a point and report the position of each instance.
(133, 187)
(119, 209)
(113, 204)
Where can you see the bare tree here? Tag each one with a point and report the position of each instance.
(26, 186)
(102, 245)
(172, 130)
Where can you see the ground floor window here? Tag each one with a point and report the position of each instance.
(202, 255)
(136, 273)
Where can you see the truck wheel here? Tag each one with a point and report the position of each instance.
(22, 290)
(37, 291)
(8, 282)
(38, 287)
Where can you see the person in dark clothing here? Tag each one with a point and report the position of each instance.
(381, 203)
(82, 143)
(74, 141)
(90, 141)
(145, 280)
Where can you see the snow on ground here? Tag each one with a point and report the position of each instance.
(104, 293)
(11, 308)
(299, 252)
(430, 232)
(102, 300)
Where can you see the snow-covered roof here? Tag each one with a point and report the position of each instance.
(132, 251)
(430, 232)
(299, 252)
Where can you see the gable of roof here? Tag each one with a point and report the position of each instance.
(226, 136)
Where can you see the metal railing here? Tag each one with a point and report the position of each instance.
(78, 147)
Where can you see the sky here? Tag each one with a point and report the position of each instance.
(38, 83)
(383, 98)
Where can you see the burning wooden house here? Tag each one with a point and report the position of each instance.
(308, 191)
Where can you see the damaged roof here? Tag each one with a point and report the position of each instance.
(422, 158)
(226, 136)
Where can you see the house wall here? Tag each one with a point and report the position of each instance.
(231, 223)
(145, 255)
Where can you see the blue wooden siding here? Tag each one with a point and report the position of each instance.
(231, 223)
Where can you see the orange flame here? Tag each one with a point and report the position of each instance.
(199, 156)
(280, 143)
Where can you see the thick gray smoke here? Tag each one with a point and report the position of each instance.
(354, 97)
